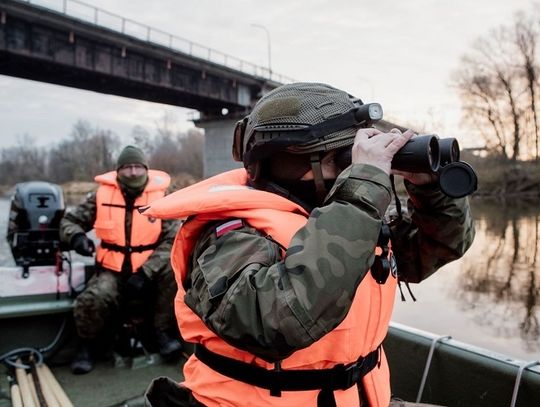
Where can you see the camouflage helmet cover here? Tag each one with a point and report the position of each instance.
(291, 109)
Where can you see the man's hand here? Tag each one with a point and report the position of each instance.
(83, 245)
(372, 146)
(416, 178)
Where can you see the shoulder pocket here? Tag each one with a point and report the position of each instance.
(222, 262)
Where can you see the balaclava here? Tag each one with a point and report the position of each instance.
(132, 155)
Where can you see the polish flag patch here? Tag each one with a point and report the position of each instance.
(228, 226)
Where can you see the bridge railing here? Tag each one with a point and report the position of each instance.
(99, 17)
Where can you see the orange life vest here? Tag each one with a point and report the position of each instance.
(225, 196)
(110, 221)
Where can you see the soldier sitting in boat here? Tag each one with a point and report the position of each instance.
(132, 260)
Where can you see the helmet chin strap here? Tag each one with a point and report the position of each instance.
(318, 178)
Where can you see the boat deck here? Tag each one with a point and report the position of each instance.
(108, 384)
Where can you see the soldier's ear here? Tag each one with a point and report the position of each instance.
(238, 142)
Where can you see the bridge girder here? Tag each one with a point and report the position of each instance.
(43, 45)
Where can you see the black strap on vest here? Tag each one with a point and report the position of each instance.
(340, 377)
(380, 269)
(128, 249)
(130, 207)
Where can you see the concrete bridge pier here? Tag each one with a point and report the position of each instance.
(218, 139)
(219, 130)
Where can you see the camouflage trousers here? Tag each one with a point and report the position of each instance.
(102, 303)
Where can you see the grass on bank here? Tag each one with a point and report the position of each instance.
(500, 178)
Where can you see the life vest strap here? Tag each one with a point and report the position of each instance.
(113, 205)
(137, 207)
(128, 249)
(340, 377)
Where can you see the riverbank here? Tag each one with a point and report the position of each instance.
(500, 180)
(503, 179)
(497, 179)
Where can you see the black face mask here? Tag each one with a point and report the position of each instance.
(306, 191)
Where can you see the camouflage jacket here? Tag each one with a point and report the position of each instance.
(262, 289)
(81, 220)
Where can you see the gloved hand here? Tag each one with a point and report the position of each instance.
(83, 245)
(137, 285)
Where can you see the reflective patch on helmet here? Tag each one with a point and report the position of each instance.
(279, 107)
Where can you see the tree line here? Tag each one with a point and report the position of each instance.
(88, 151)
(497, 81)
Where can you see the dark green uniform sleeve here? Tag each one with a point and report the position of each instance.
(79, 220)
(159, 260)
(436, 230)
(255, 299)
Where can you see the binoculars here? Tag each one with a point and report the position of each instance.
(430, 154)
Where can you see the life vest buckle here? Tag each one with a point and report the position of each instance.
(347, 376)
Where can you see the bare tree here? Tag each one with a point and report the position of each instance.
(141, 138)
(481, 105)
(88, 151)
(178, 153)
(497, 83)
(526, 39)
(171, 149)
(23, 162)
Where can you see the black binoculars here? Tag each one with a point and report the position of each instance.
(430, 154)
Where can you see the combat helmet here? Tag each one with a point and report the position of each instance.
(301, 119)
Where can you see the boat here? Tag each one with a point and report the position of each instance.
(437, 369)
(37, 337)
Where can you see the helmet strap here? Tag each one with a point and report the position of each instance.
(399, 216)
(254, 170)
(318, 178)
(270, 186)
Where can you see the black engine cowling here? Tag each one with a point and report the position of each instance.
(34, 223)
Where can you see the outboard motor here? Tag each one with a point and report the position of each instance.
(34, 224)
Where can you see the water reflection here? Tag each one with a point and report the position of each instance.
(500, 283)
(490, 297)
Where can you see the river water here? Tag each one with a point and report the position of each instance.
(489, 298)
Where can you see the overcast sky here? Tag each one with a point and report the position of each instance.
(397, 53)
